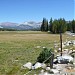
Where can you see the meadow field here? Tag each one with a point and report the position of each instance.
(19, 47)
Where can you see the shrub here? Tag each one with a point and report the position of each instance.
(44, 55)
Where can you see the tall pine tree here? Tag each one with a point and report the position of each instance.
(50, 24)
(73, 26)
(44, 26)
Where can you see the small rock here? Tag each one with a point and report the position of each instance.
(28, 65)
(47, 68)
(43, 47)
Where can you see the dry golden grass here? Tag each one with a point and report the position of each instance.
(31, 36)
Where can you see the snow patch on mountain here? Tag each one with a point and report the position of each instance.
(32, 23)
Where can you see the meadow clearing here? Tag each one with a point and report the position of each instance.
(19, 47)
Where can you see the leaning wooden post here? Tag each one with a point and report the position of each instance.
(51, 61)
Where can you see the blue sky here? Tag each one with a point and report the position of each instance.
(34, 10)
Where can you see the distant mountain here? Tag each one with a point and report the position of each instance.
(22, 26)
(8, 24)
(1, 27)
(33, 24)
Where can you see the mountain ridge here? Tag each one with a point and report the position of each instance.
(21, 26)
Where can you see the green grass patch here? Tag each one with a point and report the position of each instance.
(20, 47)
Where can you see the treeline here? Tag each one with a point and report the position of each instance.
(6, 29)
(58, 25)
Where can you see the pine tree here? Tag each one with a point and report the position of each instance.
(73, 26)
(69, 26)
(62, 25)
(50, 25)
(44, 26)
